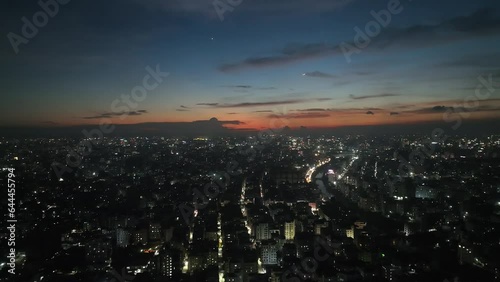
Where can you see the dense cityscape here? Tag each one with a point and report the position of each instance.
(271, 207)
(250, 141)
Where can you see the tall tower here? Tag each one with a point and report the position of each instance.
(168, 263)
(290, 230)
(262, 231)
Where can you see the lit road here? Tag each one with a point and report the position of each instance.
(347, 168)
(319, 181)
(311, 170)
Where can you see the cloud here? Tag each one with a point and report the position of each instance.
(322, 113)
(363, 72)
(356, 109)
(457, 109)
(319, 74)
(183, 109)
(311, 110)
(381, 95)
(289, 54)
(400, 106)
(485, 60)
(264, 111)
(49, 122)
(483, 20)
(239, 86)
(447, 106)
(207, 104)
(244, 87)
(436, 109)
(113, 114)
(215, 121)
(261, 104)
(235, 122)
(232, 113)
(394, 113)
(480, 23)
(439, 109)
(300, 115)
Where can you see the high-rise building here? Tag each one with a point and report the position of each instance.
(262, 231)
(122, 238)
(289, 250)
(290, 230)
(98, 252)
(168, 263)
(408, 229)
(140, 236)
(319, 225)
(349, 232)
(391, 272)
(424, 192)
(154, 233)
(269, 253)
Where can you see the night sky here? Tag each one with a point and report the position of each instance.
(262, 60)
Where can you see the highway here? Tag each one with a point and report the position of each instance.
(319, 177)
